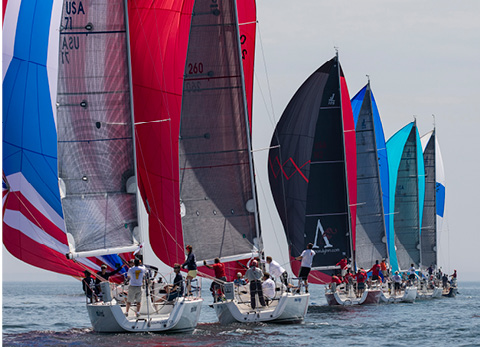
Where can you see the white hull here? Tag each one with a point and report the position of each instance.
(425, 293)
(288, 308)
(369, 296)
(110, 317)
(407, 295)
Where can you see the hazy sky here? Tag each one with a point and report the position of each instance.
(423, 58)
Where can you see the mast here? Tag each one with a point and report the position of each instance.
(350, 233)
(249, 142)
(418, 195)
(142, 233)
(434, 135)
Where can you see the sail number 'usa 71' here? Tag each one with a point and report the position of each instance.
(70, 42)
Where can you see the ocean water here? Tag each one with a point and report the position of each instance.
(54, 314)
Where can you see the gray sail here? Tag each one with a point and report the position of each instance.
(429, 220)
(94, 126)
(406, 217)
(370, 233)
(216, 186)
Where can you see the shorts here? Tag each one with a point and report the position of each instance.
(374, 277)
(304, 272)
(134, 294)
(361, 285)
(192, 273)
(397, 285)
(172, 296)
(411, 276)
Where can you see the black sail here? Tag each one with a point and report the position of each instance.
(307, 170)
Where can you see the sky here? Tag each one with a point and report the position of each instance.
(422, 58)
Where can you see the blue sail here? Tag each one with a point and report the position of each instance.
(407, 194)
(357, 102)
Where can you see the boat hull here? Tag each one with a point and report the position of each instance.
(290, 309)
(110, 318)
(451, 293)
(425, 294)
(368, 297)
(409, 295)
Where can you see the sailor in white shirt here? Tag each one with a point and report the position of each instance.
(307, 259)
(277, 271)
(268, 286)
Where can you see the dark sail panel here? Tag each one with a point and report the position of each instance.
(429, 230)
(406, 217)
(370, 232)
(307, 170)
(216, 189)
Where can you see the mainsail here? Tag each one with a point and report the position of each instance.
(33, 224)
(434, 198)
(407, 191)
(217, 193)
(312, 169)
(372, 180)
(94, 126)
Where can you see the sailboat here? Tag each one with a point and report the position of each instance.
(89, 209)
(372, 180)
(407, 191)
(372, 190)
(218, 208)
(312, 174)
(433, 211)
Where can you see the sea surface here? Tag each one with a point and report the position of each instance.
(54, 314)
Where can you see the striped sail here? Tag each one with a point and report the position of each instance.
(33, 220)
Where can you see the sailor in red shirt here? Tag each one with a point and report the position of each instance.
(348, 279)
(361, 277)
(375, 271)
(334, 282)
(217, 286)
(343, 266)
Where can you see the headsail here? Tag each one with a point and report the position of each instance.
(33, 225)
(312, 169)
(216, 188)
(372, 180)
(407, 191)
